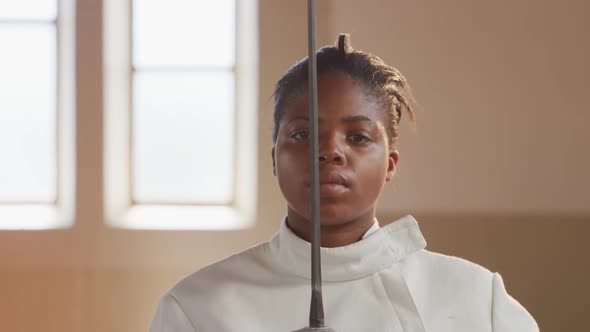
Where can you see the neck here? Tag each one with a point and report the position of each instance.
(335, 233)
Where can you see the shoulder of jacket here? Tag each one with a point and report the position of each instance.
(225, 270)
(450, 265)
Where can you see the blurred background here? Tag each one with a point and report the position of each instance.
(135, 141)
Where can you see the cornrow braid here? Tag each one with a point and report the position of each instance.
(382, 82)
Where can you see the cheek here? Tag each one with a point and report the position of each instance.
(291, 166)
(373, 173)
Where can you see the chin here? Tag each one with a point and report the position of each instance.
(332, 215)
(332, 211)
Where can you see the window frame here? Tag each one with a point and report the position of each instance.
(60, 213)
(120, 209)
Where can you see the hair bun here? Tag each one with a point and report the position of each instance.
(344, 44)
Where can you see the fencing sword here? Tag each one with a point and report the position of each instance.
(316, 311)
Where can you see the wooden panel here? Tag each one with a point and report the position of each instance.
(543, 260)
(40, 299)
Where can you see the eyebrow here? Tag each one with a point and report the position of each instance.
(348, 119)
(356, 118)
(300, 117)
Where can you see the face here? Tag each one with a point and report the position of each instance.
(355, 157)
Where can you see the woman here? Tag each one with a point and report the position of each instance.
(375, 279)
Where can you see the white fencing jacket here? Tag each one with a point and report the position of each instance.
(385, 282)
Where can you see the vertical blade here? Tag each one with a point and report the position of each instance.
(316, 315)
(316, 311)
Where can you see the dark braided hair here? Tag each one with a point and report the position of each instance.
(383, 83)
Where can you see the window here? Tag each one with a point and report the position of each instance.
(183, 102)
(180, 110)
(36, 128)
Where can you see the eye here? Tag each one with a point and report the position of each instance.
(359, 139)
(300, 135)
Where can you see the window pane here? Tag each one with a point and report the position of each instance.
(27, 113)
(183, 137)
(28, 9)
(183, 33)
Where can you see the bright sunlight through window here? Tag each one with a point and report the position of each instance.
(179, 125)
(183, 109)
(28, 101)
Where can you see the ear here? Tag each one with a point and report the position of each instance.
(393, 158)
(272, 152)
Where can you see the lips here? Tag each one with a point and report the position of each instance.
(332, 190)
(332, 184)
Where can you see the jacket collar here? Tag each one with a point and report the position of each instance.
(384, 247)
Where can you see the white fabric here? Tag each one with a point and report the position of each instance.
(385, 282)
(375, 227)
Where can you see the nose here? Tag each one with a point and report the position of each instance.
(330, 151)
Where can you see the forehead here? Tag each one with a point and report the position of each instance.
(339, 96)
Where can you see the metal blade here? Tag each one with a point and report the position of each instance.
(316, 312)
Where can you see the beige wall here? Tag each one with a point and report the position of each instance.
(502, 89)
(496, 171)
